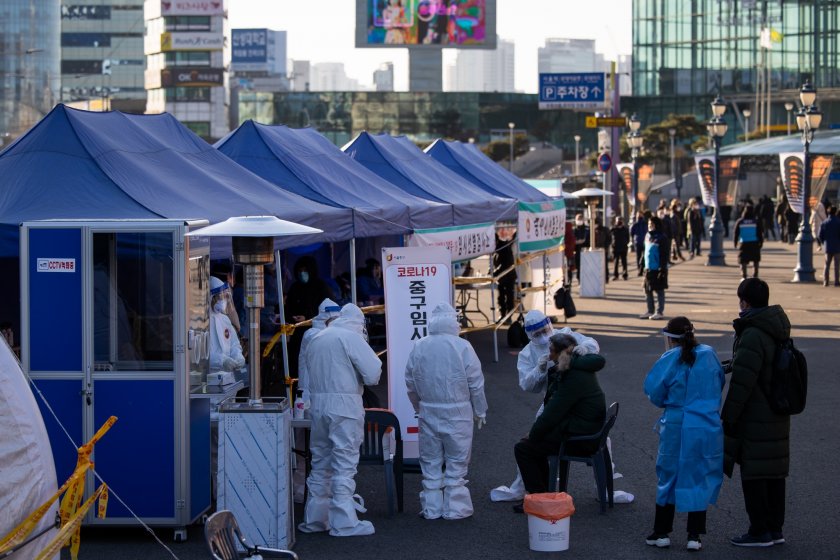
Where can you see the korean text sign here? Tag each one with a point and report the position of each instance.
(542, 225)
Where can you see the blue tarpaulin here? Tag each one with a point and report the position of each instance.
(467, 161)
(87, 165)
(304, 162)
(399, 161)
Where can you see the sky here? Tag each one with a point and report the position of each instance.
(324, 31)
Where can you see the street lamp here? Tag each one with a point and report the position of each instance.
(808, 120)
(635, 141)
(717, 128)
(510, 165)
(672, 132)
(577, 155)
(747, 114)
(788, 108)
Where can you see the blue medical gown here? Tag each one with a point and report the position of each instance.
(689, 465)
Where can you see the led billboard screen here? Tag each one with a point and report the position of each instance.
(426, 23)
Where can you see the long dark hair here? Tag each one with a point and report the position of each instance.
(682, 331)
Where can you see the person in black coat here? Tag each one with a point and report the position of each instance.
(620, 240)
(749, 238)
(502, 260)
(581, 242)
(638, 231)
(302, 300)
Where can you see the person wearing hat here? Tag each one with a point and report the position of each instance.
(687, 382)
(327, 311)
(225, 349)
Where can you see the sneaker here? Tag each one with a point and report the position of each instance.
(659, 541)
(752, 541)
(656, 317)
(694, 543)
(645, 315)
(778, 538)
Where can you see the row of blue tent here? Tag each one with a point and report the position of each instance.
(86, 165)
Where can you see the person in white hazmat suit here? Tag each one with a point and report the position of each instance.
(339, 362)
(225, 349)
(446, 387)
(327, 311)
(533, 365)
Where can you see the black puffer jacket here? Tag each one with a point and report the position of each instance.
(756, 438)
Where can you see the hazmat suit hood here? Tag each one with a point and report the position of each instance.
(444, 320)
(326, 311)
(536, 322)
(350, 318)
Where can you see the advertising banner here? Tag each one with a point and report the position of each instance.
(542, 225)
(192, 7)
(462, 242)
(625, 174)
(645, 183)
(195, 77)
(416, 279)
(191, 42)
(249, 46)
(792, 167)
(729, 169)
(432, 23)
(706, 177)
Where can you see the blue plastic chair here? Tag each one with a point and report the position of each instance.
(600, 461)
(377, 423)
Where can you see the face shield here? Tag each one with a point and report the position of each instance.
(539, 332)
(220, 296)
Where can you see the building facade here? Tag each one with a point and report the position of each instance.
(484, 70)
(686, 52)
(569, 55)
(383, 77)
(30, 63)
(187, 57)
(102, 59)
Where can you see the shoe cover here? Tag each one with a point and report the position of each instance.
(343, 519)
(431, 503)
(361, 529)
(457, 503)
(513, 493)
(622, 497)
(315, 514)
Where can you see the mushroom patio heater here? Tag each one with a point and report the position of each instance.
(593, 261)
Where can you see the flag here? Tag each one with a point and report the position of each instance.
(776, 36)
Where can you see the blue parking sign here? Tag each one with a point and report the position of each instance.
(572, 91)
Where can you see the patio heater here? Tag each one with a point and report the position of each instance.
(593, 261)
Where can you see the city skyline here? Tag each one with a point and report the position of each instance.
(608, 22)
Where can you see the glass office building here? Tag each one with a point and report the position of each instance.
(687, 51)
(30, 56)
(422, 116)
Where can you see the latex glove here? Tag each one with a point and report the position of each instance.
(240, 363)
(480, 421)
(228, 364)
(543, 363)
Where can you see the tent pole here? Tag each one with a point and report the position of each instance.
(283, 338)
(353, 271)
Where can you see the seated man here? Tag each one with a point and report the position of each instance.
(574, 406)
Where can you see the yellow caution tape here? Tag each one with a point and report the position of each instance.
(70, 530)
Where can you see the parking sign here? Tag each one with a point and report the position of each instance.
(572, 91)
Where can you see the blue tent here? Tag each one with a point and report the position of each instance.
(467, 161)
(305, 163)
(399, 161)
(85, 165)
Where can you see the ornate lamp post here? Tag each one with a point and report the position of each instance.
(747, 114)
(808, 120)
(635, 141)
(577, 155)
(511, 126)
(717, 128)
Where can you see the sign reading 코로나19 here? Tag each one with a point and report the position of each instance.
(462, 242)
(416, 279)
(793, 176)
(572, 91)
(542, 225)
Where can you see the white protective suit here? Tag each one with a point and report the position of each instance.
(225, 350)
(533, 366)
(340, 362)
(326, 311)
(445, 385)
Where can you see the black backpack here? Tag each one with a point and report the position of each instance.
(789, 383)
(516, 335)
(563, 301)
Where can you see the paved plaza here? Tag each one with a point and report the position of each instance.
(707, 295)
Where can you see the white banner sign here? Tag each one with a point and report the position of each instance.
(192, 7)
(416, 280)
(462, 242)
(56, 265)
(542, 225)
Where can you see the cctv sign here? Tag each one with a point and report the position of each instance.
(56, 265)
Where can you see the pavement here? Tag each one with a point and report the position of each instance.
(707, 295)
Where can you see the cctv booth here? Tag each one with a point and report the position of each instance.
(114, 322)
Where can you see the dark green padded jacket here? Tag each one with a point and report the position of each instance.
(755, 437)
(575, 404)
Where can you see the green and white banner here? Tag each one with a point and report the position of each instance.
(542, 225)
(463, 242)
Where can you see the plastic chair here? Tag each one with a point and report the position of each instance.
(600, 461)
(378, 421)
(221, 531)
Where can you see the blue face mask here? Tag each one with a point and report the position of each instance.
(304, 276)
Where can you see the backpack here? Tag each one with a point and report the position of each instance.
(789, 382)
(516, 335)
(563, 300)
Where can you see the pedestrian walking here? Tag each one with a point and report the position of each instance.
(764, 210)
(694, 219)
(829, 235)
(638, 232)
(581, 242)
(686, 382)
(748, 238)
(818, 215)
(620, 240)
(756, 437)
(656, 269)
(603, 241)
(675, 218)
